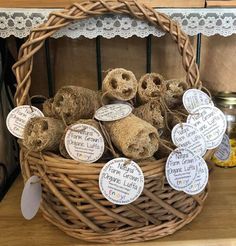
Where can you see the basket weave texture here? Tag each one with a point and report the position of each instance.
(71, 197)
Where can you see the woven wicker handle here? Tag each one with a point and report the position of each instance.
(57, 20)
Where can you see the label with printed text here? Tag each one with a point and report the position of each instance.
(193, 98)
(84, 143)
(224, 150)
(201, 179)
(113, 112)
(18, 118)
(211, 122)
(187, 136)
(181, 168)
(121, 181)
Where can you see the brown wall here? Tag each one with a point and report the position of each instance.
(74, 61)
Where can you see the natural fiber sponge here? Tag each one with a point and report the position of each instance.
(62, 146)
(120, 84)
(47, 108)
(150, 87)
(175, 89)
(152, 113)
(134, 137)
(43, 133)
(72, 103)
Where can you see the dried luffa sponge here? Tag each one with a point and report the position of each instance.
(150, 87)
(152, 113)
(72, 103)
(120, 84)
(47, 108)
(175, 89)
(43, 133)
(90, 122)
(134, 137)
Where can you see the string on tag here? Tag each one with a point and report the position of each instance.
(44, 169)
(103, 97)
(127, 162)
(162, 142)
(108, 140)
(63, 119)
(208, 93)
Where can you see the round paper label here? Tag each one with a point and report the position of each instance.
(209, 121)
(224, 150)
(18, 118)
(84, 143)
(201, 179)
(187, 136)
(113, 112)
(31, 197)
(121, 181)
(193, 98)
(181, 168)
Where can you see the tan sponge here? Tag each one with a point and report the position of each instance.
(134, 137)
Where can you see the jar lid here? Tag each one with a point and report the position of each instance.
(226, 98)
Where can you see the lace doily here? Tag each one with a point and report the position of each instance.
(19, 22)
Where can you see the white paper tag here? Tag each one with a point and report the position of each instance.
(18, 118)
(113, 112)
(31, 197)
(187, 136)
(181, 168)
(121, 181)
(193, 98)
(84, 143)
(201, 179)
(224, 150)
(211, 122)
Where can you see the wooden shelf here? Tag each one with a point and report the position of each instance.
(64, 3)
(220, 3)
(216, 225)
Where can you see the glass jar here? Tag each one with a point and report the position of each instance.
(226, 101)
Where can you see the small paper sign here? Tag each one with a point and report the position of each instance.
(31, 197)
(181, 168)
(193, 98)
(18, 118)
(201, 179)
(209, 121)
(187, 136)
(224, 150)
(84, 143)
(113, 112)
(121, 181)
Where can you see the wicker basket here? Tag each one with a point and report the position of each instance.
(71, 197)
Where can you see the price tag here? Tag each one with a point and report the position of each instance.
(209, 121)
(224, 150)
(31, 197)
(84, 143)
(193, 98)
(187, 136)
(121, 181)
(201, 179)
(181, 168)
(113, 112)
(18, 118)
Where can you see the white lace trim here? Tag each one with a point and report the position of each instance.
(19, 22)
